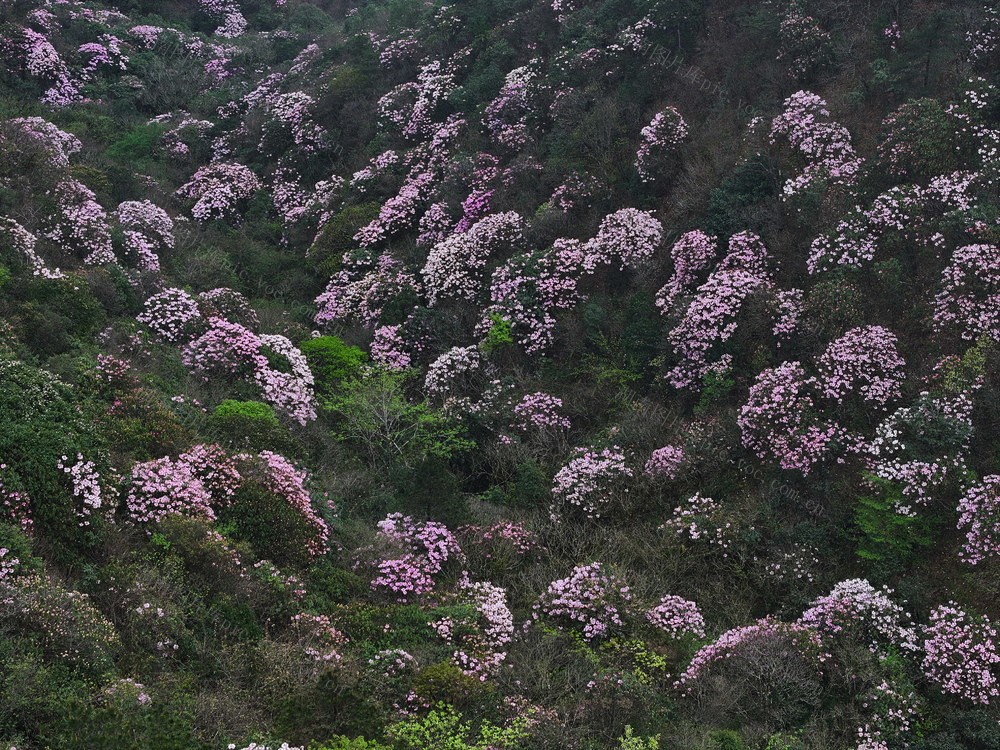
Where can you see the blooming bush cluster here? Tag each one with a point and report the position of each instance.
(824, 145)
(702, 519)
(864, 361)
(979, 517)
(960, 654)
(856, 608)
(659, 142)
(712, 317)
(591, 482)
(805, 46)
(455, 267)
(591, 598)
(677, 617)
(218, 190)
(427, 551)
(781, 420)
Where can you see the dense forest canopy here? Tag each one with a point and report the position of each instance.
(499, 375)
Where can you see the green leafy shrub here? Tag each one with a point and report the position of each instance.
(331, 361)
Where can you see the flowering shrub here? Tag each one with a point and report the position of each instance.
(979, 511)
(626, 239)
(691, 254)
(825, 146)
(677, 617)
(701, 519)
(454, 267)
(447, 374)
(86, 486)
(592, 598)
(427, 552)
(666, 462)
(164, 486)
(80, 226)
(590, 482)
(805, 46)
(780, 660)
(922, 446)
(960, 654)
(15, 506)
(918, 140)
(350, 294)
(218, 189)
(856, 608)
(712, 316)
(659, 142)
(173, 315)
(780, 420)
(539, 412)
(397, 213)
(319, 640)
(147, 228)
(863, 361)
(23, 242)
(970, 292)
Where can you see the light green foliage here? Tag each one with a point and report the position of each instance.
(376, 415)
(443, 729)
(331, 361)
(631, 742)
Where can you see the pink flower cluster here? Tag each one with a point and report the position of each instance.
(147, 228)
(712, 317)
(23, 241)
(969, 300)
(229, 350)
(659, 142)
(626, 239)
(781, 422)
(748, 638)
(284, 479)
(667, 462)
(826, 146)
(172, 314)
(804, 44)
(864, 361)
(576, 191)
(960, 654)
(591, 598)
(352, 294)
(428, 550)
(979, 516)
(163, 487)
(701, 519)
(455, 266)
(854, 607)
(15, 506)
(692, 253)
(80, 226)
(539, 411)
(59, 144)
(319, 640)
(218, 189)
(590, 482)
(677, 617)
(86, 486)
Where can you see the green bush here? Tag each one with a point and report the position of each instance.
(331, 361)
(346, 743)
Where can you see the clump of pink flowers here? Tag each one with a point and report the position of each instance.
(592, 598)
(960, 654)
(677, 617)
(591, 482)
(659, 142)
